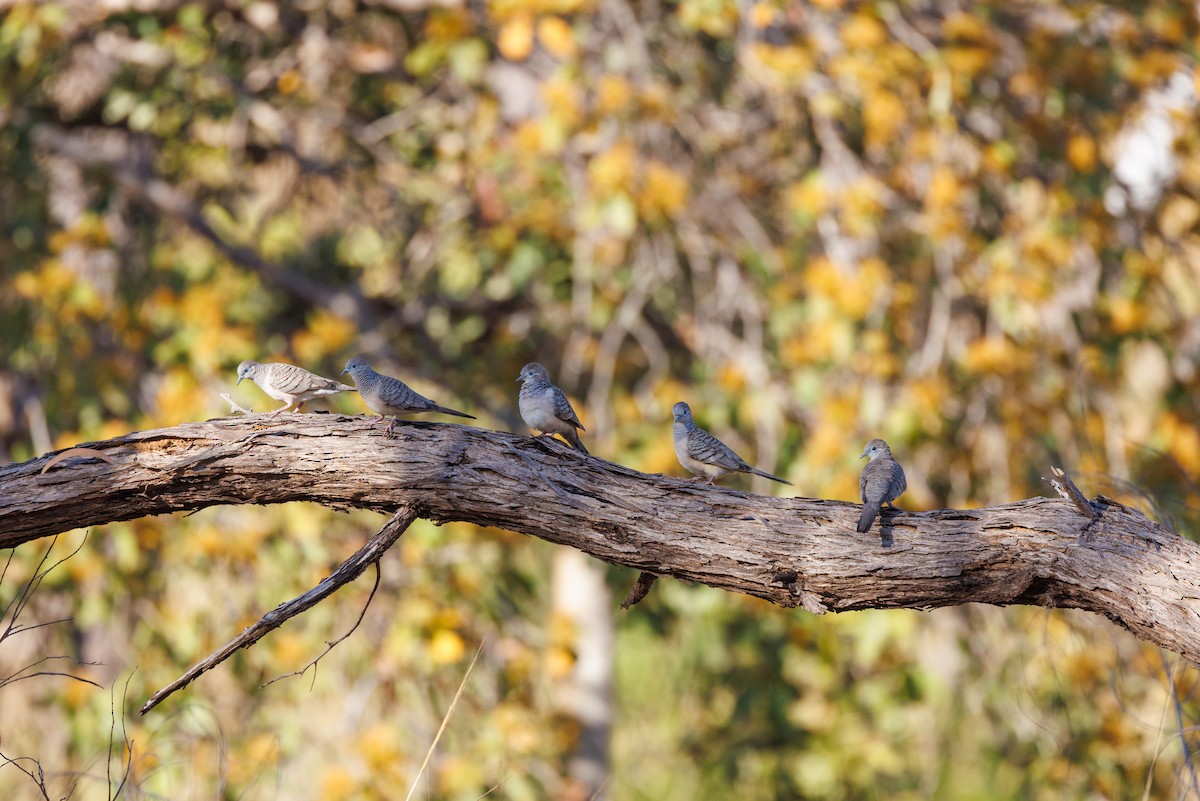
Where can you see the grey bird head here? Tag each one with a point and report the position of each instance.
(247, 369)
(682, 413)
(876, 448)
(355, 366)
(533, 372)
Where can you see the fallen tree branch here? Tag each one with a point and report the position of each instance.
(790, 551)
(346, 572)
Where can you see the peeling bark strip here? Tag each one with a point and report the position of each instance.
(1124, 566)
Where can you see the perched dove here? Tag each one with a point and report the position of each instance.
(545, 408)
(705, 455)
(286, 382)
(387, 395)
(882, 482)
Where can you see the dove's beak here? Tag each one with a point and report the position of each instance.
(864, 456)
(240, 377)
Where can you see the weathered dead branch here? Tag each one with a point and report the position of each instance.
(791, 551)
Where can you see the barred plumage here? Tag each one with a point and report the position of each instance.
(545, 408)
(288, 383)
(705, 455)
(386, 395)
(882, 481)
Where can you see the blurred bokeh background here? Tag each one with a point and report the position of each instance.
(970, 228)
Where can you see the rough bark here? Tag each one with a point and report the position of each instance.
(791, 551)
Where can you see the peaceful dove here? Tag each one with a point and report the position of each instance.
(545, 408)
(705, 455)
(288, 383)
(386, 395)
(882, 481)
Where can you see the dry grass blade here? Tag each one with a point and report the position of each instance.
(445, 720)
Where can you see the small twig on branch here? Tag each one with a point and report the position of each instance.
(346, 572)
(39, 779)
(331, 644)
(1065, 487)
(639, 590)
(15, 677)
(125, 741)
(233, 405)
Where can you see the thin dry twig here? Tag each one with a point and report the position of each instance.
(112, 725)
(233, 405)
(346, 572)
(15, 677)
(39, 780)
(445, 719)
(331, 644)
(17, 604)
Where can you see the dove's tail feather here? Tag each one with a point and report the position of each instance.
(572, 437)
(870, 509)
(444, 410)
(765, 474)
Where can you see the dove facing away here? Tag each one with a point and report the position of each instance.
(882, 481)
(545, 408)
(288, 383)
(705, 455)
(386, 395)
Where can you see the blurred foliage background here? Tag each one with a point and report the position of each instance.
(967, 227)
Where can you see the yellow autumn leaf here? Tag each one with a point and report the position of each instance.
(965, 27)
(447, 24)
(862, 203)
(884, 114)
(446, 647)
(520, 732)
(762, 15)
(558, 661)
(612, 170)
(515, 39)
(862, 31)
(289, 82)
(562, 98)
(1125, 315)
(288, 650)
(1023, 84)
(1178, 216)
(790, 62)
(326, 333)
(613, 94)
(657, 102)
(1081, 152)
(944, 189)
(337, 783)
(968, 61)
(809, 196)
(664, 191)
(994, 355)
(262, 748)
(459, 777)
(379, 746)
(556, 36)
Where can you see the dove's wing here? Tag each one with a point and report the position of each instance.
(704, 447)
